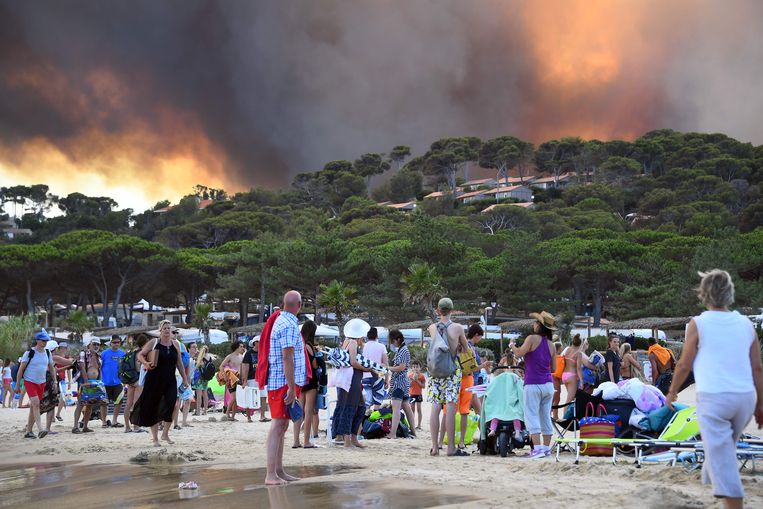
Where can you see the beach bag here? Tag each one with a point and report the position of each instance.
(372, 430)
(207, 370)
(93, 392)
(592, 426)
(559, 367)
(468, 362)
(248, 397)
(472, 425)
(440, 362)
(49, 399)
(128, 372)
(341, 378)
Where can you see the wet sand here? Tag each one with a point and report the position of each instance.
(66, 485)
(109, 468)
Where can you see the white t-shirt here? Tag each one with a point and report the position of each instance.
(722, 363)
(7, 372)
(373, 351)
(35, 370)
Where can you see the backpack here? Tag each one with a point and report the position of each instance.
(207, 370)
(128, 371)
(440, 362)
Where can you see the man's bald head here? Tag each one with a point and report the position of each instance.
(292, 301)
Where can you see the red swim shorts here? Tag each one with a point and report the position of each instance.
(34, 390)
(276, 404)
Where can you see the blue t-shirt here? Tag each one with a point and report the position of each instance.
(110, 369)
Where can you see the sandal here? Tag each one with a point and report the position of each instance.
(86, 430)
(458, 452)
(117, 425)
(59, 418)
(264, 419)
(76, 431)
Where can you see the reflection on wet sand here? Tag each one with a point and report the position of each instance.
(69, 485)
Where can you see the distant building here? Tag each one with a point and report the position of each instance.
(560, 182)
(9, 230)
(409, 206)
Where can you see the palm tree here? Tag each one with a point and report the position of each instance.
(422, 285)
(79, 323)
(339, 298)
(202, 319)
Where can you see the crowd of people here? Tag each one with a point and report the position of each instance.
(161, 377)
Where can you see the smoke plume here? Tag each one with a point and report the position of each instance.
(143, 99)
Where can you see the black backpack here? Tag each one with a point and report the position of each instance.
(128, 371)
(207, 370)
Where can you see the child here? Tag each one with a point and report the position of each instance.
(556, 377)
(418, 382)
(520, 372)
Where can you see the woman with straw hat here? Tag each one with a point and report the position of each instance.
(350, 407)
(540, 361)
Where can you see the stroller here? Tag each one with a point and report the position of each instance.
(503, 401)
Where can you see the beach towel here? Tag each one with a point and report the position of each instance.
(340, 358)
(228, 377)
(647, 397)
(263, 367)
(504, 398)
(662, 353)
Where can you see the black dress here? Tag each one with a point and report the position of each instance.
(157, 401)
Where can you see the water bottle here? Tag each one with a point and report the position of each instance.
(15, 402)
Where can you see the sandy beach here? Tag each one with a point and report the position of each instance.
(389, 465)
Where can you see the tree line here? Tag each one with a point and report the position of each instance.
(625, 239)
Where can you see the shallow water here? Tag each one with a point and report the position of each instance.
(72, 485)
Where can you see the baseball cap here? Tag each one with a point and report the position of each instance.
(42, 336)
(445, 304)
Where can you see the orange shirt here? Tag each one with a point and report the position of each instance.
(417, 384)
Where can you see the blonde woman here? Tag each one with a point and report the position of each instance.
(723, 349)
(161, 357)
(630, 367)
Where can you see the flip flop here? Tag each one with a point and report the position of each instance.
(296, 447)
(458, 452)
(76, 431)
(86, 430)
(42, 434)
(264, 419)
(117, 425)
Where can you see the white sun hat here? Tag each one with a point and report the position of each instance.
(51, 345)
(356, 328)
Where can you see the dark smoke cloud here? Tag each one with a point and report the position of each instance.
(279, 87)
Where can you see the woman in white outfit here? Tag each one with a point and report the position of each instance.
(723, 349)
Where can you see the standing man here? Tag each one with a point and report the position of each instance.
(35, 364)
(444, 391)
(373, 384)
(249, 375)
(110, 360)
(287, 372)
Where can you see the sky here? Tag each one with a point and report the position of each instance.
(141, 100)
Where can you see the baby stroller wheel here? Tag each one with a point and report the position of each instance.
(482, 446)
(503, 444)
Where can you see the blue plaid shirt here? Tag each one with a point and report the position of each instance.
(286, 334)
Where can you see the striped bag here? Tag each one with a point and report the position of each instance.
(592, 426)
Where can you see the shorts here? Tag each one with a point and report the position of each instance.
(416, 398)
(34, 390)
(464, 396)
(275, 402)
(399, 393)
(445, 390)
(7, 381)
(113, 392)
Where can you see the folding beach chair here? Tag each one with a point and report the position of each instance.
(570, 424)
(681, 431)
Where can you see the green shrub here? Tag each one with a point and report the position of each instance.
(16, 334)
(641, 344)
(597, 343)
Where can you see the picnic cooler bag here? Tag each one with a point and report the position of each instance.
(592, 426)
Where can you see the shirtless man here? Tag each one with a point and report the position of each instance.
(444, 391)
(233, 362)
(89, 364)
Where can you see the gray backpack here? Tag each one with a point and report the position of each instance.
(440, 362)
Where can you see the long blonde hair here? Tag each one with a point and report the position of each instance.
(624, 348)
(202, 353)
